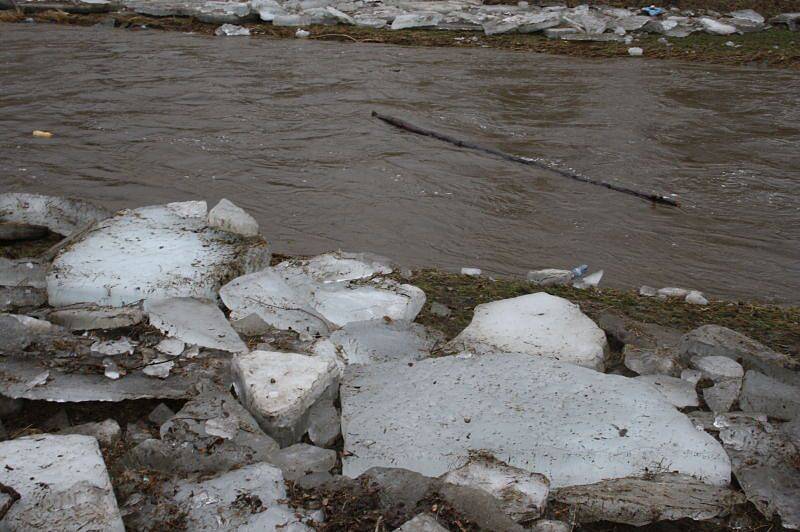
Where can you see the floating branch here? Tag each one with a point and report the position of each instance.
(402, 124)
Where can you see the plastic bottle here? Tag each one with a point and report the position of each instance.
(579, 271)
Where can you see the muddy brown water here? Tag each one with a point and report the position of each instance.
(283, 128)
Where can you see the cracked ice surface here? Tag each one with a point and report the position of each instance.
(157, 251)
(572, 424)
(63, 483)
(324, 292)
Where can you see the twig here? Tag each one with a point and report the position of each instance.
(53, 251)
(14, 496)
(402, 124)
(335, 35)
(21, 431)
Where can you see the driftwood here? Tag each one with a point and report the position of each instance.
(402, 124)
(51, 253)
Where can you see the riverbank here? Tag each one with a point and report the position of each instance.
(164, 365)
(778, 48)
(777, 326)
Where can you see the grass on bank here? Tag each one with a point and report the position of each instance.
(776, 48)
(776, 326)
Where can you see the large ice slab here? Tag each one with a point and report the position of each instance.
(195, 322)
(571, 424)
(159, 251)
(61, 215)
(535, 324)
(63, 484)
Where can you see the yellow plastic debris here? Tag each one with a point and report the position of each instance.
(42, 134)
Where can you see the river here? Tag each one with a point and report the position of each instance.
(283, 129)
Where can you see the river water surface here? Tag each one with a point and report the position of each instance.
(283, 128)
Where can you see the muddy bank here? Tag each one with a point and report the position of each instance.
(778, 48)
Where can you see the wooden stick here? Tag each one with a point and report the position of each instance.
(51, 253)
(402, 124)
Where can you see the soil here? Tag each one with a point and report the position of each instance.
(360, 510)
(774, 48)
(19, 249)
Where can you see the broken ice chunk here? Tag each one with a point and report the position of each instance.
(159, 368)
(279, 388)
(170, 346)
(112, 370)
(38, 380)
(297, 460)
(523, 494)
(387, 299)
(231, 30)
(113, 347)
(225, 428)
(226, 215)
(678, 392)
(63, 483)
(375, 341)
(638, 502)
(219, 499)
(590, 281)
(535, 324)
(268, 295)
(194, 321)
